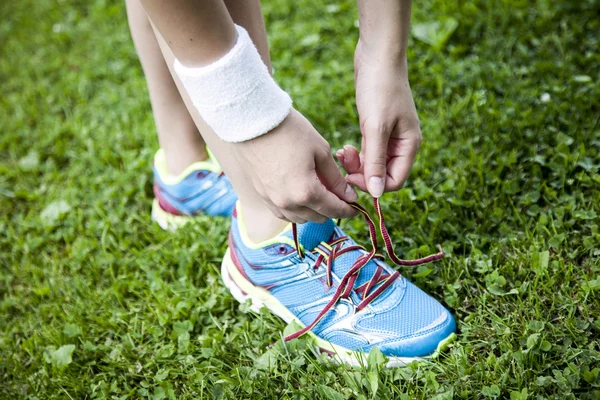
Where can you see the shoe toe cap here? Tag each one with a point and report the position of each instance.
(415, 323)
(424, 342)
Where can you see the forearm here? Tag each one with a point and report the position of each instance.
(384, 28)
(197, 31)
(248, 14)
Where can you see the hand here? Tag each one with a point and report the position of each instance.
(388, 122)
(293, 170)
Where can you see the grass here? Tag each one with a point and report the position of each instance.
(97, 302)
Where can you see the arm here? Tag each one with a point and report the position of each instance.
(248, 14)
(388, 118)
(198, 32)
(384, 28)
(290, 166)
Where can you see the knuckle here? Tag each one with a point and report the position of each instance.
(283, 203)
(419, 141)
(305, 196)
(378, 162)
(415, 126)
(410, 124)
(417, 123)
(324, 150)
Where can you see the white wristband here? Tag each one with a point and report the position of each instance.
(236, 95)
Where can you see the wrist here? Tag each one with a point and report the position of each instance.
(235, 95)
(381, 53)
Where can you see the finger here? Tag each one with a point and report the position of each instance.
(289, 212)
(352, 159)
(331, 177)
(275, 211)
(357, 180)
(340, 156)
(292, 216)
(280, 213)
(297, 213)
(355, 175)
(328, 204)
(310, 215)
(399, 167)
(375, 152)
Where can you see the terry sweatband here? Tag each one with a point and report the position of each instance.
(236, 95)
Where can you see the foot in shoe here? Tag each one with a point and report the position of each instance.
(342, 294)
(201, 188)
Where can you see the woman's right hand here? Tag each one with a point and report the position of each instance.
(292, 169)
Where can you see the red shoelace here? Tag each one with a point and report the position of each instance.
(328, 251)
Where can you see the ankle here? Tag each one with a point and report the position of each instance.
(259, 223)
(178, 160)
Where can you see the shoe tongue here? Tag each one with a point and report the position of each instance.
(311, 234)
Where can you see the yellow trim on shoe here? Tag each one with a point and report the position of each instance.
(160, 163)
(168, 221)
(249, 243)
(242, 290)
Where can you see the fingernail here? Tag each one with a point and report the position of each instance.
(351, 194)
(376, 186)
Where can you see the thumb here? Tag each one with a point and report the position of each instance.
(375, 153)
(331, 177)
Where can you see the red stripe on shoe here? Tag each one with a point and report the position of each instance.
(163, 202)
(236, 259)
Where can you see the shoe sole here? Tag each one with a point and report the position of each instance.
(165, 220)
(242, 290)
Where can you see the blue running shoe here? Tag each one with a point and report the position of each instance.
(342, 295)
(201, 189)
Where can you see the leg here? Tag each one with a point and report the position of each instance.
(260, 221)
(177, 133)
(409, 338)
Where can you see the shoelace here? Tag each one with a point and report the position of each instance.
(381, 280)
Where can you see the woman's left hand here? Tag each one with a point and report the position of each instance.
(389, 124)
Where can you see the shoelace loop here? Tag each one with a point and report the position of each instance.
(379, 282)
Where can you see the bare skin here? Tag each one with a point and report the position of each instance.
(300, 182)
(262, 223)
(177, 132)
(387, 113)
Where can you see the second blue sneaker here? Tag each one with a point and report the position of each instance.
(340, 293)
(202, 189)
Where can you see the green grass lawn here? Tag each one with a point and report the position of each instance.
(98, 302)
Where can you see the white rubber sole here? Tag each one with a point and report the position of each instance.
(242, 291)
